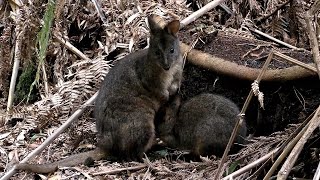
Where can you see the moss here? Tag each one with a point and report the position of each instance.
(23, 87)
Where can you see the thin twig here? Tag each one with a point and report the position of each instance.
(115, 171)
(71, 47)
(254, 49)
(251, 165)
(45, 79)
(53, 136)
(200, 12)
(274, 39)
(226, 8)
(273, 12)
(240, 119)
(294, 61)
(287, 166)
(312, 35)
(100, 12)
(317, 174)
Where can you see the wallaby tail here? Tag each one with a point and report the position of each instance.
(73, 160)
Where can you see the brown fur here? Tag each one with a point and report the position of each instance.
(129, 97)
(203, 124)
(132, 94)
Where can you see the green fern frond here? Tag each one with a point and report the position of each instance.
(43, 40)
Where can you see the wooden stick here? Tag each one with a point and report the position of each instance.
(17, 56)
(251, 165)
(312, 35)
(200, 12)
(53, 136)
(317, 174)
(274, 39)
(226, 8)
(100, 12)
(294, 61)
(71, 47)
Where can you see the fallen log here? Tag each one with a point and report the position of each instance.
(229, 68)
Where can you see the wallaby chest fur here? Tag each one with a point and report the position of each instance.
(203, 124)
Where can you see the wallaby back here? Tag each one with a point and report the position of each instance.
(129, 97)
(203, 125)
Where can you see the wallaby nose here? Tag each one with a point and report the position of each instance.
(166, 67)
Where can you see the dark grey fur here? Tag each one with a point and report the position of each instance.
(202, 125)
(133, 92)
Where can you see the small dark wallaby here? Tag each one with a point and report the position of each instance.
(130, 95)
(203, 124)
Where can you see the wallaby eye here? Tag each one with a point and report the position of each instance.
(157, 53)
(171, 50)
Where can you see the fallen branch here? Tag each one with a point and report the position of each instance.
(53, 136)
(226, 67)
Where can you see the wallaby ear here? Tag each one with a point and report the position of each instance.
(173, 27)
(153, 25)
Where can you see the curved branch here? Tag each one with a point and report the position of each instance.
(226, 67)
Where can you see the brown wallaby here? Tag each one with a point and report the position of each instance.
(203, 124)
(130, 95)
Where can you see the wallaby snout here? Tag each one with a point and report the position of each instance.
(166, 66)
